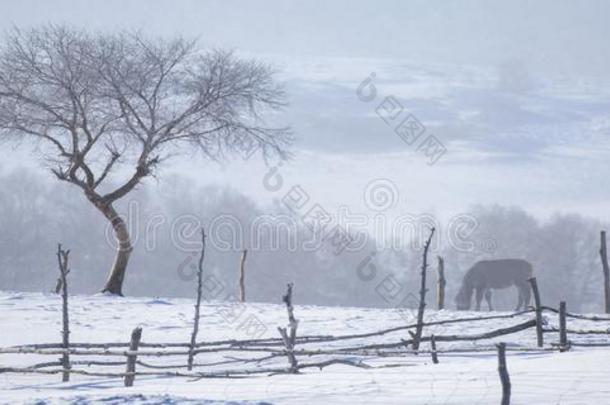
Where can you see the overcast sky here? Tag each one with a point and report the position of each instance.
(517, 91)
(560, 36)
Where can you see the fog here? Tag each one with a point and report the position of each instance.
(165, 218)
(517, 93)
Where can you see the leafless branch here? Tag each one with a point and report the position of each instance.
(74, 89)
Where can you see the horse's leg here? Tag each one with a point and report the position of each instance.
(520, 302)
(479, 297)
(488, 299)
(527, 294)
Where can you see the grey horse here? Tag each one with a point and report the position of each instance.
(491, 274)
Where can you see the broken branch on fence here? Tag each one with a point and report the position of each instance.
(327, 363)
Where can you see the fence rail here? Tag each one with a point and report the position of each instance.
(257, 352)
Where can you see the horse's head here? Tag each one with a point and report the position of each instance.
(463, 298)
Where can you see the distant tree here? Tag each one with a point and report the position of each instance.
(107, 109)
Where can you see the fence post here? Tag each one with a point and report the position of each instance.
(441, 283)
(191, 357)
(62, 284)
(290, 340)
(539, 332)
(563, 335)
(433, 351)
(242, 276)
(136, 335)
(422, 295)
(603, 252)
(503, 372)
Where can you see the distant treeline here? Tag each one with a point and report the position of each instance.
(37, 213)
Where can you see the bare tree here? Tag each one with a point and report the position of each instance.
(107, 109)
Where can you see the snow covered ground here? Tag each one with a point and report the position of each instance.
(576, 377)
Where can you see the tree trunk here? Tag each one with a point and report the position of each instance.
(114, 283)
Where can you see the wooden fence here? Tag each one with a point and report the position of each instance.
(248, 357)
(255, 354)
